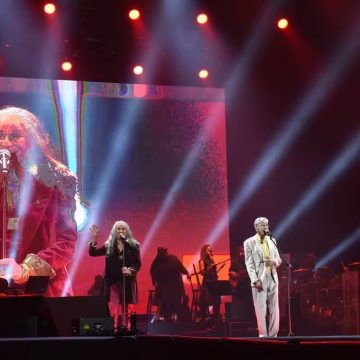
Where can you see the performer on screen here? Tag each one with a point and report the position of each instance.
(38, 195)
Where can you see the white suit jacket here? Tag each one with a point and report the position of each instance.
(254, 259)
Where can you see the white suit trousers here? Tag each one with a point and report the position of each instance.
(267, 300)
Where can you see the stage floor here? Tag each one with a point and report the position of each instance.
(140, 347)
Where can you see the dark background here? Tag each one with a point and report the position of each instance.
(270, 77)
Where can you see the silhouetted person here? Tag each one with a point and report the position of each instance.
(239, 284)
(238, 274)
(166, 273)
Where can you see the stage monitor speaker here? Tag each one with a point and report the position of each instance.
(54, 315)
(19, 326)
(97, 326)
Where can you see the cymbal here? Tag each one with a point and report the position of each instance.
(301, 270)
(354, 265)
(323, 268)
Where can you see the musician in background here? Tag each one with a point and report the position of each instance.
(238, 276)
(209, 295)
(166, 272)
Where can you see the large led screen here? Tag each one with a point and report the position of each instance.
(153, 156)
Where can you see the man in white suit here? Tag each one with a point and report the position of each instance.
(261, 260)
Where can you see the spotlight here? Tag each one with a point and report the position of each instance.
(282, 24)
(66, 66)
(134, 14)
(202, 19)
(49, 8)
(81, 215)
(203, 74)
(138, 70)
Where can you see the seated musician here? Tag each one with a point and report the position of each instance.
(238, 278)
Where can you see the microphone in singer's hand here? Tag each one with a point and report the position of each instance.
(267, 232)
(122, 237)
(5, 160)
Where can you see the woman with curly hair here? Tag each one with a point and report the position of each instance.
(122, 263)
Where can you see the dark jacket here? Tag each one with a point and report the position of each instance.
(166, 271)
(113, 266)
(48, 230)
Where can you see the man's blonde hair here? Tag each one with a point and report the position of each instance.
(260, 220)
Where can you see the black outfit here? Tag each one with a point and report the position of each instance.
(166, 273)
(242, 296)
(113, 265)
(242, 282)
(209, 289)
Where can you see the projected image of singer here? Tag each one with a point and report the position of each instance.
(122, 263)
(38, 230)
(261, 259)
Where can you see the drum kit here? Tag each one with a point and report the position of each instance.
(321, 277)
(321, 292)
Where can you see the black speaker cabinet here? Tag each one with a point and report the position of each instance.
(239, 311)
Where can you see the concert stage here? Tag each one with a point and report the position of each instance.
(61, 327)
(168, 347)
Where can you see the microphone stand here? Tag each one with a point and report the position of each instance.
(4, 209)
(125, 312)
(289, 266)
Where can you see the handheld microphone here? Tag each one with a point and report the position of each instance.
(268, 233)
(122, 237)
(5, 160)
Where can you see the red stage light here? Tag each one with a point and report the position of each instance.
(282, 23)
(49, 8)
(66, 66)
(134, 14)
(203, 74)
(202, 18)
(140, 90)
(138, 70)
